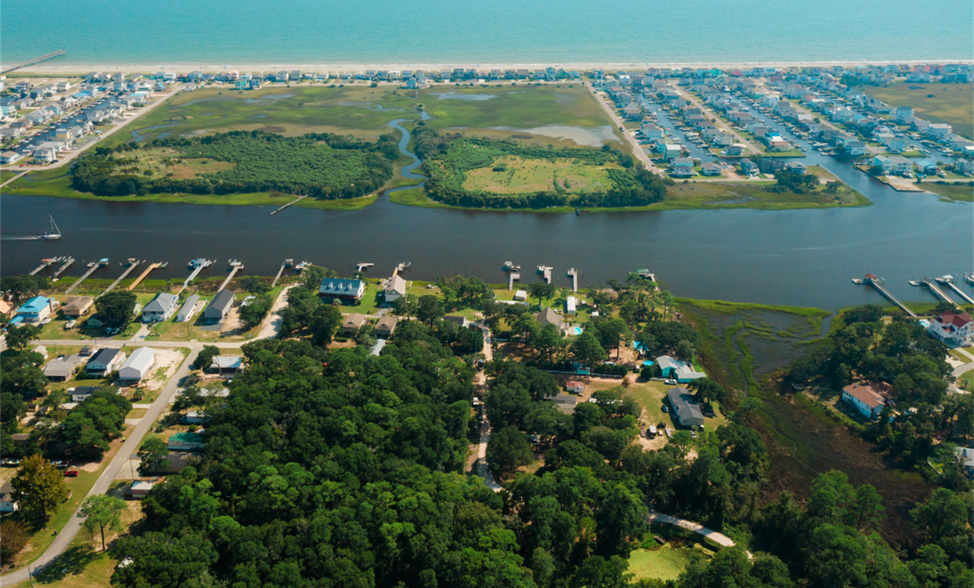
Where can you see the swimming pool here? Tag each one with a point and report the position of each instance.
(577, 330)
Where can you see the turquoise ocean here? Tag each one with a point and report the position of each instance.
(212, 32)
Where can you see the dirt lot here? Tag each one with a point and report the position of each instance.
(167, 362)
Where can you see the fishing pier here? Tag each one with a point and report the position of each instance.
(949, 282)
(92, 266)
(937, 292)
(877, 283)
(198, 265)
(573, 274)
(235, 266)
(141, 277)
(298, 199)
(132, 264)
(401, 267)
(287, 263)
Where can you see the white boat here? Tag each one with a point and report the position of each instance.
(53, 235)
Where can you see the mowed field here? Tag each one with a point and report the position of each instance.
(939, 103)
(516, 175)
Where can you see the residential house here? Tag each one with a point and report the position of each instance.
(549, 316)
(903, 114)
(796, 167)
(939, 131)
(855, 148)
(710, 168)
(81, 393)
(951, 328)
(892, 142)
(185, 441)
(575, 386)
(353, 323)
(10, 157)
(219, 307)
(748, 167)
(901, 165)
(964, 167)
(868, 399)
(565, 402)
(160, 308)
(460, 321)
(76, 306)
(633, 112)
(195, 417)
(386, 326)
(677, 369)
(650, 131)
(687, 411)
(35, 310)
(735, 150)
(45, 154)
(226, 364)
(394, 288)
(682, 167)
(883, 163)
(62, 368)
(139, 488)
(104, 362)
(670, 151)
(189, 307)
(137, 366)
(7, 502)
(965, 456)
(348, 291)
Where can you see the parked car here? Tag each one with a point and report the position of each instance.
(665, 408)
(71, 473)
(59, 464)
(69, 325)
(45, 321)
(670, 382)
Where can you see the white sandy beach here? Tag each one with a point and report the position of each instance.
(53, 69)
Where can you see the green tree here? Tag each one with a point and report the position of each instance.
(547, 341)
(21, 287)
(15, 537)
(205, 356)
(943, 520)
(102, 511)
(254, 285)
(866, 508)
(685, 351)
(508, 449)
(748, 406)
(613, 333)
(526, 328)
(115, 308)
(707, 390)
(405, 305)
(429, 309)
(19, 338)
(153, 455)
(541, 291)
(255, 311)
(324, 323)
(39, 488)
(587, 350)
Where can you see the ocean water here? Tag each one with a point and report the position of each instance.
(212, 32)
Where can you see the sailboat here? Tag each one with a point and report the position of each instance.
(53, 235)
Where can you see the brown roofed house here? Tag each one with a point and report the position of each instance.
(386, 326)
(548, 316)
(353, 323)
(869, 399)
(76, 306)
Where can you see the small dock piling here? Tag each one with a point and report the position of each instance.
(92, 266)
(295, 201)
(68, 262)
(132, 264)
(141, 277)
(877, 283)
(573, 274)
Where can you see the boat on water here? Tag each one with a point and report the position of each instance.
(52, 235)
(511, 266)
(946, 279)
(103, 262)
(163, 264)
(298, 268)
(857, 280)
(914, 283)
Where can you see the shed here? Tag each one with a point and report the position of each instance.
(521, 295)
(189, 307)
(140, 488)
(137, 366)
(219, 307)
(459, 321)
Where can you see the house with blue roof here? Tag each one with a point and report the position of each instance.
(677, 369)
(35, 310)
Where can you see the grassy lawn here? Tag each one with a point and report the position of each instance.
(650, 396)
(663, 562)
(517, 175)
(939, 103)
(966, 381)
(7, 174)
(953, 191)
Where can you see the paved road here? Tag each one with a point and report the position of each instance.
(482, 470)
(719, 538)
(272, 322)
(104, 482)
(637, 149)
(717, 120)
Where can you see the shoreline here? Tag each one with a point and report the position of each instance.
(81, 68)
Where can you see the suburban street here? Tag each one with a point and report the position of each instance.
(717, 121)
(637, 149)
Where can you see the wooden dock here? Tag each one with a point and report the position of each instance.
(937, 292)
(280, 272)
(511, 277)
(545, 272)
(45, 263)
(949, 282)
(192, 276)
(877, 283)
(361, 267)
(91, 269)
(139, 279)
(573, 274)
(235, 266)
(401, 267)
(298, 199)
(67, 263)
(132, 264)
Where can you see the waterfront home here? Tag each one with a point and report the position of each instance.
(677, 369)
(748, 167)
(951, 328)
(62, 368)
(892, 142)
(219, 307)
(687, 411)
(242, 85)
(650, 131)
(104, 362)
(353, 323)
(964, 167)
(570, 305)
(226, 365)
(901, 166)
(854, 147)
(9, 157)
(160, 308)
(868, 399)
(549, 317)
(76, 306)
(185, 441)
(903, 114)
(735, 149)
(281, 76)
(386, 326)
(719, 138)
(35, 310)
(633, 112)
(345, 290)
(709, 168)
(796, 167)
(137, 366)
(394, 288)
(682, 167)
(965, 456)
(671, 151)
(938, 130)
(883, 163)
(189, 307)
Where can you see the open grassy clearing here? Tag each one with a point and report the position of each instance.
(164, 161)
(516, 175)
(938, 103)
(962, 191)
(663, 562)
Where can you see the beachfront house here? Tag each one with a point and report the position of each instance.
(219, 307)
(951, 328)
(160, 308)
(868, 399)
(347, 291)
(104, 362)
(676, 369)
(686, 410)
(137, 366)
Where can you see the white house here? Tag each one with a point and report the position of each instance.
(104, 362)
(866, 398)
(570, 305)
(900, 165)
(394, 288)
(574, 386)
(160, 308)
(7, 503)
(903, 114)
(951, 328)
(137, 366)
(9, 157)
(687, 411)
(682, 167)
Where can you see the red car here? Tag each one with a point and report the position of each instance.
(71, 473)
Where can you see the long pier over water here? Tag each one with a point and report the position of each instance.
(877, 283)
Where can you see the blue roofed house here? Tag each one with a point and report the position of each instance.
(678, 370)
(35, 310)
(348, 291)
